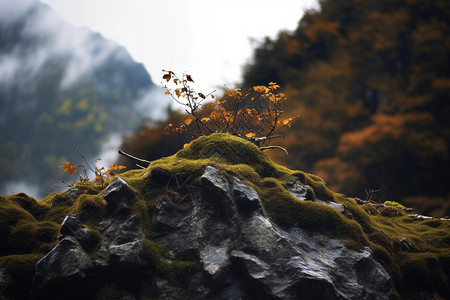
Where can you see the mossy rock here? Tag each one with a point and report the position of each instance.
(28, 227)
(19, 274)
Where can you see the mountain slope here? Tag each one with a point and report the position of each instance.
(60, 87)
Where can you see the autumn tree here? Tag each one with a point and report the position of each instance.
(255, 114)
(371, 83)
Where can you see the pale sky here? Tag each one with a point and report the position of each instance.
(209, 39)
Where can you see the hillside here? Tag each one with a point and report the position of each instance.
(370, 83)
(217, 220)
(60, 87)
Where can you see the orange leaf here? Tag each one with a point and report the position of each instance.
(287, 121)
(68, 167)
(167, 77)
(188, 121)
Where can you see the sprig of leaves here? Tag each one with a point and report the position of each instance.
(255, 115)
(101, 174)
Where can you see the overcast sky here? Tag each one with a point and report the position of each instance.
(209, 39)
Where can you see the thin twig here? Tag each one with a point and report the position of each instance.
(134, 157)
(274, 147)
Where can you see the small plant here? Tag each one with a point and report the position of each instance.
(101, 174)
(254, 115)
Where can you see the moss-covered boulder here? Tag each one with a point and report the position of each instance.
(218, 219)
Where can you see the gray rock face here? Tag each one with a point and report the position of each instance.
(240, 252)
(65, 267)
(71, 226)
(118, 195)
(302, 192)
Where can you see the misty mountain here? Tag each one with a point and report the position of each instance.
(61, 86)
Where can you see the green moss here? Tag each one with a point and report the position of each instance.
(141, 210)
(394, 204)
(11, 215)
(288, 211)
(356, 212)
(153, 252)
(177, 271)
(60, 205)
(320, 189)
(232, 150)
(29, 204)
(89, 187)
(90, 208)
(423, 271)
(46, 231)
(21, 238)
(19, 274)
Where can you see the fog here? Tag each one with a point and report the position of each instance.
(46, 36)
(41, 56)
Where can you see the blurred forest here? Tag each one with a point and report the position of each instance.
(371, 83)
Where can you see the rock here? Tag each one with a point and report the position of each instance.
(239, 251)
(118, 195)
(406, 245)
(2, 278)
(299, 190)
(71, 226)
(332, 204)
(215, 261)
(72, 193)
(117, 231)
(65, 266)
(218, 198)
(128, 255)
(168, 215)
(303, 192)
(246, 198)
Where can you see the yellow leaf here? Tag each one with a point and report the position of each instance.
(188, 121)
(273, 86)
(206, 119)
(250, 135)
(287, 121)
(185, 145)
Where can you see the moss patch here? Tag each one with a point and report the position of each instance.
(287, 211)
(19, 274)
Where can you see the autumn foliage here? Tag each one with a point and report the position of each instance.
(254, 114)
(100, 174)
(371, 81)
